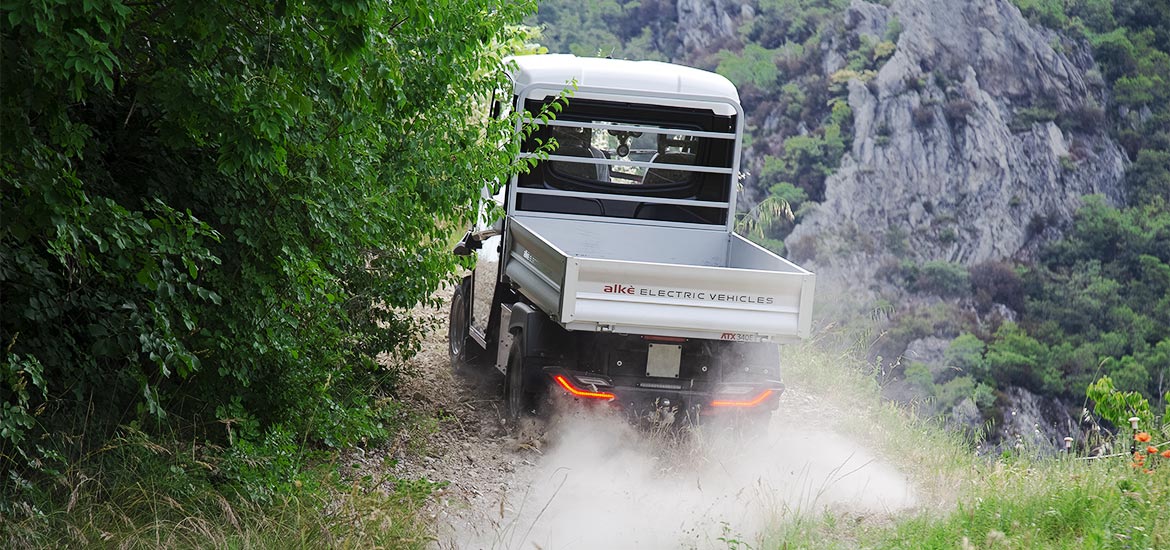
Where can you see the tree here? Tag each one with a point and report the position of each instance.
(1014, 358)
(222, 209)
(943, 278)
(1148, 177)
(965, 355)
(754, 65)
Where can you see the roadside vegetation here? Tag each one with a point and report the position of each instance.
(1023, 498)
(216, 218)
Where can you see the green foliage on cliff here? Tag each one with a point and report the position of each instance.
(1131, 42)
(622, 29)
(1097, 303)
(215, 213)
(1106, 288)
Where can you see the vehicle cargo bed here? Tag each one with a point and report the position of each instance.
(671, 281)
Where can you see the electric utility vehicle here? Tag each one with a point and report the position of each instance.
(615, 274)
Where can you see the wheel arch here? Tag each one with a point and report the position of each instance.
(543, 338)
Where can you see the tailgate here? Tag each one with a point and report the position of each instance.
(662, 299)
(690, 301)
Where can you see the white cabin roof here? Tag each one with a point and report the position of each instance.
(557, 70)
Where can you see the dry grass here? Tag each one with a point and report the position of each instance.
(967, 501)
(142, 516)
(138, 492)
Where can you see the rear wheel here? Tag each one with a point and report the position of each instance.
(461, 349)
(516, 398)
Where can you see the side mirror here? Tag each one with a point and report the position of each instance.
(467, 245)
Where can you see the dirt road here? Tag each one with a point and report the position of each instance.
(588, 480)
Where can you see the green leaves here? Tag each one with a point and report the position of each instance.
(1118, 406)
(1098, 301)
(24, 378)
(230, 207)
(754, 65)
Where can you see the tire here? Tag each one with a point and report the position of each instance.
(516, 398)
(461, 349)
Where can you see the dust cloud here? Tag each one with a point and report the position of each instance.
(601, 483)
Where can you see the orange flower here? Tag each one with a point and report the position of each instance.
(1166, 453)
(1138, 456)
(1142, 437)
(1152, 450)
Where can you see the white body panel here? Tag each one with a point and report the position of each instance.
(717, 287)
(614, 76)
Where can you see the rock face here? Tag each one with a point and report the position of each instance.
(704, 24)
(1035, 423)
(970, 141)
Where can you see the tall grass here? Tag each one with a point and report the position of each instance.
(142, 516)
(139, 491)
(1049, 503)
(1019, 500)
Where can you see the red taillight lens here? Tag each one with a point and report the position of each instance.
(731, 403)
(578, 392)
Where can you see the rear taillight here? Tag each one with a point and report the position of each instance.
(578, 392)
(764, 395)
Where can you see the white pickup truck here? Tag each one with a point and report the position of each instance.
(615, 275)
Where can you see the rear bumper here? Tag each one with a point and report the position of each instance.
(651, 394)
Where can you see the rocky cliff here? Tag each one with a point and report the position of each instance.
(704, 25)
(973, 140)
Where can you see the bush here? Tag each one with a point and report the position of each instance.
(945, 279)
(918, 375)
(893, 29)
(896, 241)
(1050, 13)
(923, 116)
(1118, 406)
(965, 354)
(789, 193)
(996, 282)
(1088, 118)
(1015, 358)
(220, 213)
(754, 65)
(957, 111)
(1148, 179)
(952, 392)
(1025, 118)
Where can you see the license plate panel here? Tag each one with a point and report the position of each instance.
(663, 360)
